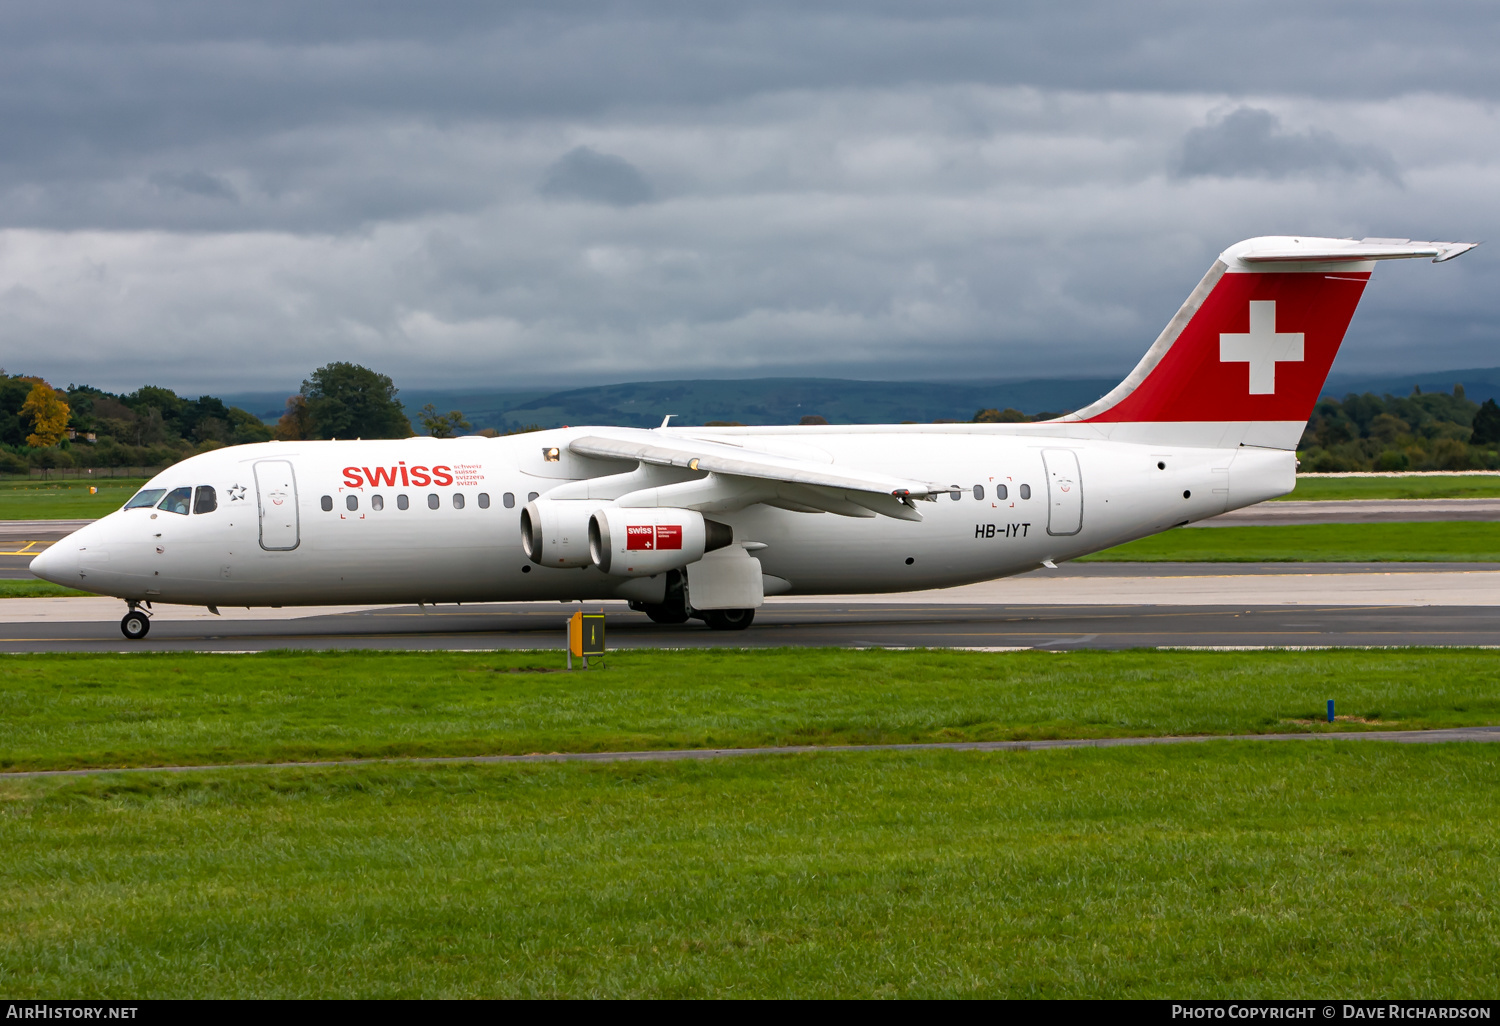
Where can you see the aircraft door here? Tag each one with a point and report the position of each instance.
(1064, 492)
(276, 489)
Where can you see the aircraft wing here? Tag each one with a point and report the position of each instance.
(738, 477)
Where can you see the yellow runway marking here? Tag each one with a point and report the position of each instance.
(28, 550)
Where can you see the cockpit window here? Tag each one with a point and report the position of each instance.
(177, 501)
(206, 501)
(145, 497)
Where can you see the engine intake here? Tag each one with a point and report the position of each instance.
(555, 532)
(639, 542)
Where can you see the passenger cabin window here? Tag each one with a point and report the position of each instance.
(531, 496)
(402, 502)
(1002, 492)
(377, 502)
(327, 503)
(484, 500)
(146, 497)
(206, 501)
(1026, 491)
(177, 501)
(979, 491)
(351, 502)
(509, 498)
(458, 500)
(955, 492)
(432, 500)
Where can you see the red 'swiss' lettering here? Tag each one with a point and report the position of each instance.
(374, 477)
(669, 536)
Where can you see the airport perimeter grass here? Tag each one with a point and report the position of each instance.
(1449, 542)
(32, 499)
(1267, 870)
(154, 709)
(33, 588)
(1471, 487)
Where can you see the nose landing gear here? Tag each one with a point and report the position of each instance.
(136, 624)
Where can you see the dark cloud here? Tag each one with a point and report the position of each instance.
(584, 173)
(955, 188)
(194, 183)
(1251, 143)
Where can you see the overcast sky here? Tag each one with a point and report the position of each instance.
(221, 197)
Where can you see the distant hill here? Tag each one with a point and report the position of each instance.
(1479, 383)
(748, 401)
(839, 400)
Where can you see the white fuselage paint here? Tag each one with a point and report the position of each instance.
(474, 554)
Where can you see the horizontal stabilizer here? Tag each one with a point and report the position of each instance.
(1284, 249)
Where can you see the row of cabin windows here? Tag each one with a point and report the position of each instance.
(178, 500)
(434, 501)
(1001, 492)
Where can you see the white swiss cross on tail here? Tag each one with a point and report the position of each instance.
(1262, 348)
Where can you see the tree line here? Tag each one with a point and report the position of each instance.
(1422, 431)
(82, 426)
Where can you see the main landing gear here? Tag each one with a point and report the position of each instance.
(674, 609)
(136, 624)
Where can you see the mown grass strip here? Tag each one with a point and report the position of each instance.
(34, 588)
(1272, 870)
(1475, 487)
(1451, 542)
(34, 499)
(64, 711)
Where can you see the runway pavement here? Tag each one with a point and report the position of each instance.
(899, 622)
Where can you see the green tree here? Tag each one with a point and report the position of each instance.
(1486, 424)
(442, 425)
(345, 400)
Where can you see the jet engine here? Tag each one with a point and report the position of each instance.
(555, 532)
(639, 542)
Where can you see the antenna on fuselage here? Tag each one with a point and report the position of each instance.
(665, 419)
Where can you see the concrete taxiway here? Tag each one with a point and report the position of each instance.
(1083, 606)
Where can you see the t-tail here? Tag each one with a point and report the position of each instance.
(1244, 360)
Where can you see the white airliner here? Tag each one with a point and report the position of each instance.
(705, 522)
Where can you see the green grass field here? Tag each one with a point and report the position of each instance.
(1270, 869)
(65, 711)
(1454, 542)
(1253, 870)
(37, 589)
(64, 500)
(1468, 487)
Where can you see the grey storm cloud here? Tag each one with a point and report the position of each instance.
(226, 195)
(1249, 142)
(586, 174)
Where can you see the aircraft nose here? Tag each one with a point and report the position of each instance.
(58, 563)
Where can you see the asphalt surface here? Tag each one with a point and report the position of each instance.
(866, 625)
(1409, 737)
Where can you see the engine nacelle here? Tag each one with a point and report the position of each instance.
(640, 541)
(555, 532)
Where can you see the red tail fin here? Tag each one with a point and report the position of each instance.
(1244, 359)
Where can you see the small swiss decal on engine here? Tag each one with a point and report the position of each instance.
(643, 537)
